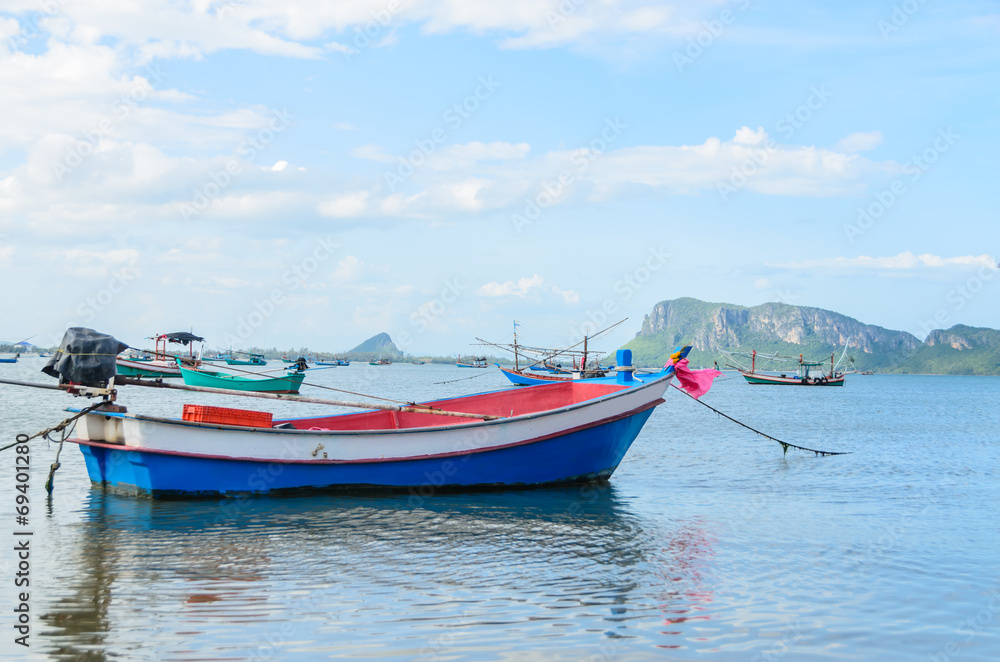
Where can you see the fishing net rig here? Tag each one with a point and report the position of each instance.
(542, 355)
(760, 360)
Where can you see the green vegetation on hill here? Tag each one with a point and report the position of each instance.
(813, 332)
(960, 350)
(379, 344)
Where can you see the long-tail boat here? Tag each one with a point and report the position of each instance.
(551, 434)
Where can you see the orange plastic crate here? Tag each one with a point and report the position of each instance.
(226, 416)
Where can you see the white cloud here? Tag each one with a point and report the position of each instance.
(859, 142)
(569, 296)
(347, 205)
(348, 269)
(279, 166)
(476, 176)
(373, 153)
(525, 287)
(337, 47)
(520, 289)
(163, 29)
(455, 157)
(93, 264)
(903, 261)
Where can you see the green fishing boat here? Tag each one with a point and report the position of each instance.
(289, 383)
(255, 359)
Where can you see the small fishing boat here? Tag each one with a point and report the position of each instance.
(162, 365)
(560, 433)
(380, 361)
(289, 383)
(9, 359)
(808, 373)
(582, 368)
(475, 362)
(524, 378)
(551, 434)
(255, 359)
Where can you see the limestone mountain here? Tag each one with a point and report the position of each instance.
(379, 344)
(960, 350)
(813, 332)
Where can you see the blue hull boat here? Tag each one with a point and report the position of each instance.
(557, 433)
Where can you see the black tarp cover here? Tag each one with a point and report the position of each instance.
(85, 357)
(183, 337)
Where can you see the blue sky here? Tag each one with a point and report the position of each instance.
(277, 174)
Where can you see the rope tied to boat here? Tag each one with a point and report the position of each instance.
(784, 444)
(462, 379)
(66, 428)
(64, 352)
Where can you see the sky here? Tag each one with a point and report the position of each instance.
(289, 174)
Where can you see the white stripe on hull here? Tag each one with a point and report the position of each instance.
(151, 366)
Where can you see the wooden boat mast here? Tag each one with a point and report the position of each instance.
(516, 367)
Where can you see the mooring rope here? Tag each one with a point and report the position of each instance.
(462, 379)
(23, 438)
(65, 427)
(784, 444)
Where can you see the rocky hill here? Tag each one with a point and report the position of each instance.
(960, 350)
(814, 332)
(378, 345)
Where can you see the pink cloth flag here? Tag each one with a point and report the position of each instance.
(695, 382)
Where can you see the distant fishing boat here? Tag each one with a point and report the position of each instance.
(335, 361)
(808, 373)
(524, 378)
(582, 368)
(255, 359)
(380, 361)
(474, 362)
(161, 365)
(290, 383)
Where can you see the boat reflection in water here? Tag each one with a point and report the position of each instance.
(398, 574)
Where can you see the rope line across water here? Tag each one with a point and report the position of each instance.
(784, 444)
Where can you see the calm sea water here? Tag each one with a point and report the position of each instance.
(708, 543)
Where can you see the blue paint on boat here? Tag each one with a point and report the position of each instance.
(579, 456)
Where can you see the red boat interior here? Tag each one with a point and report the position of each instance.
(514, 402)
